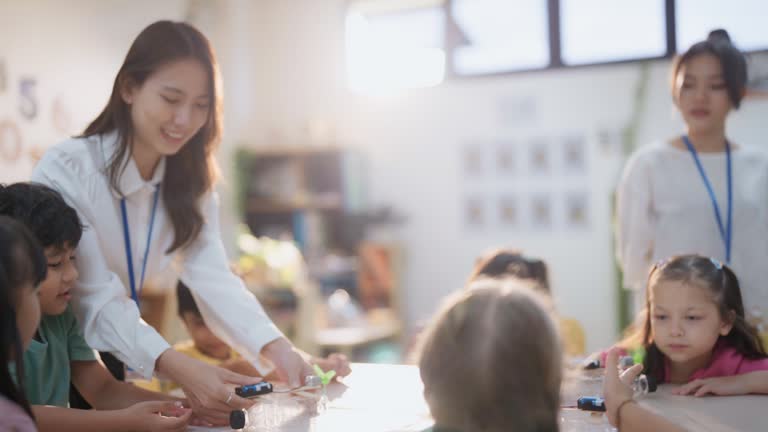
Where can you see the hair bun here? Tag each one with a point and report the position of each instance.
(719, 36)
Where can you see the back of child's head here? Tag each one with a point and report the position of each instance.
(502, 263)
(22, 264)
(491, 360)
(722, 287)
(44, 211)
(732, 61)
(184, 300)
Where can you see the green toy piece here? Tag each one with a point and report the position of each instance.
(325, 377)
(638, 355)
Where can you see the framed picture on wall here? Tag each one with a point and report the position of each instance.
(573, 152)
(538, 156)
(577, 210)
(474, 212)
(609, 142)
(541, 211)
(508, 211)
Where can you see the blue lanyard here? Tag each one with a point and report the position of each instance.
(128, 255)
(725, 233)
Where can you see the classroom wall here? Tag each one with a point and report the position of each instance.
(283, 68)
(414, 141)
(71, 50)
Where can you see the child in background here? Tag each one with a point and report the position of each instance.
(506, 263)
(694, 331)
(491, 361)
(58, 353)
(207, 347)
(22, 268)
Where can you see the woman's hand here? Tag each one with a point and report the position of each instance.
(156, 416)
(617, 388)
(290, 365)
(209, 389)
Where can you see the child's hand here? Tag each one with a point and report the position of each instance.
(157, 416)
(617, 389)
(721, 386)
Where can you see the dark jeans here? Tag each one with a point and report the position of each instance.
(115, 366)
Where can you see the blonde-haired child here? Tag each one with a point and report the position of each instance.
(491, 360)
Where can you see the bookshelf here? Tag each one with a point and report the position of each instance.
(301, 193)
(317, 198)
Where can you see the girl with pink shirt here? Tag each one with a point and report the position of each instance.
(694, 332)
(22, 268)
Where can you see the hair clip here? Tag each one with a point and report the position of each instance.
(718, 265)
(661, 263)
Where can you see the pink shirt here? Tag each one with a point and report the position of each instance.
(14, 418)
(726, 361)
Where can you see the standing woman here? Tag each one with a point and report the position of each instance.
(700, 192)
(141, 178)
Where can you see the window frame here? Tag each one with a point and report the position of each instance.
(452, 38)
(555, 50)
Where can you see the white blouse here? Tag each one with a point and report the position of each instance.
(101, 298)
(664, 209)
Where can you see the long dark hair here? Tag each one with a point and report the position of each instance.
(512, 263)
(723, 285)
(732, 61)
(22, 261)
(192, 171)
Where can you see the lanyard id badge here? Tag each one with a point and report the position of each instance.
(726, 230)
(136, 290)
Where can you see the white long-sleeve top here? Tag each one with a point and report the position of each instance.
(101, 298)
(664, 209)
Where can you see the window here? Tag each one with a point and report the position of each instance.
(500, 35)
(389, 50)
(597, 31)
(743, 19)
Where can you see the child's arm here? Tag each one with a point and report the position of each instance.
(140, 417)
(751, 382)
(104, 392)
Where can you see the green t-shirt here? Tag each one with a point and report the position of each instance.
(47, 361)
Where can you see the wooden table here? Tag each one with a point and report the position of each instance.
(712, 413)
(374, 398)
(388, 398)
